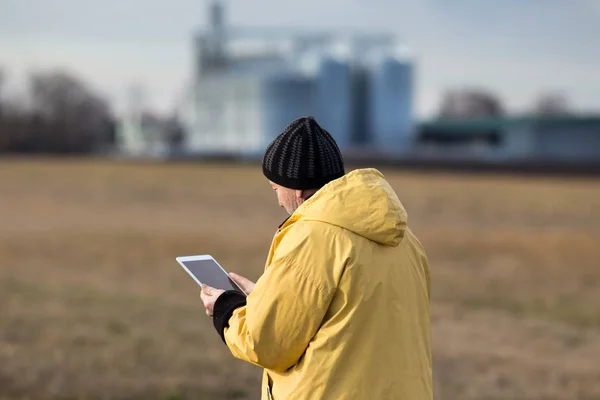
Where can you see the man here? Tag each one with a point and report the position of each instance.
(342, 309)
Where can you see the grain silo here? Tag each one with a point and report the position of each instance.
(390, 93)
(333, 93)
(285, 97)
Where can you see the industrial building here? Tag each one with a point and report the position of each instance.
(249, 83)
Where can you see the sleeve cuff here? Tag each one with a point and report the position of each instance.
(224, 307)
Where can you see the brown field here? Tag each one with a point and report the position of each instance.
(93, 305)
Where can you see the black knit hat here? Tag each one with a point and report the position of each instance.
(303, 156)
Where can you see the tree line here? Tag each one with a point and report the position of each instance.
(59, 113)
(56, 113)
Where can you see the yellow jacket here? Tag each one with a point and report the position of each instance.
(342, 309)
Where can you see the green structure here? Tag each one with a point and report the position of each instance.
(561, 138)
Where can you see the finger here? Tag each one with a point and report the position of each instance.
(207, 290)
(206, 294)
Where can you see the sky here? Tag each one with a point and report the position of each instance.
(517, 49)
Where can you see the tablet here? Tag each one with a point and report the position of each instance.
(205, 269)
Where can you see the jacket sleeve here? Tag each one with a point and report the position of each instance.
(224, 307)
(283, 312)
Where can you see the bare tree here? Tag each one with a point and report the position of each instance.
(3, 133)
(75, 118)
(470, 103)
(59, 114)
(2, 82)
(14, 118)
(552, 104)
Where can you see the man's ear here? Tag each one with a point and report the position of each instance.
(300, 196)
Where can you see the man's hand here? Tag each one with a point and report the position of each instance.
(246, 284)
(209, 296)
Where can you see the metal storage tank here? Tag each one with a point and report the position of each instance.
(391, 97)
(360, 108)
(285, 97)
(333, 92)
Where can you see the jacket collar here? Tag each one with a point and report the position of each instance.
(284, 221)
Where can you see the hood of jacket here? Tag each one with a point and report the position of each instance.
(361, 201)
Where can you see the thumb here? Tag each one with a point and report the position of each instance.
(245, 283)
(206, 289)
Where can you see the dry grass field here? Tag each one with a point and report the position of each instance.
(94, 306)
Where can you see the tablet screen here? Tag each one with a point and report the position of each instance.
(209, 273)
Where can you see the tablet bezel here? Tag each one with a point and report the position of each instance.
(182, 259)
